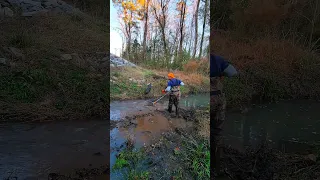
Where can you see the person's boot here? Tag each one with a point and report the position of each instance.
(170, 109)
(177, 111)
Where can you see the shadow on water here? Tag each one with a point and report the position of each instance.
(289, 126)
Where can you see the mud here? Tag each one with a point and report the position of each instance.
(265, 163)
(158, 133)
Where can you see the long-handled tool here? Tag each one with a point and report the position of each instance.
(153, 103)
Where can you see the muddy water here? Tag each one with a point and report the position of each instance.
(147, 124)
(35, 150)
(120, 109)
(287, 125)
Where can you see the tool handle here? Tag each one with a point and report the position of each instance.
(160, 98)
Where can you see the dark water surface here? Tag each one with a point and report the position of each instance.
(288, 124)
(35, 150)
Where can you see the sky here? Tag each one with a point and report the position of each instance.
(115, 37)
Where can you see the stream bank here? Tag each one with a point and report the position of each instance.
(148, 142)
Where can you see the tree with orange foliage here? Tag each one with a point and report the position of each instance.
(130, 12)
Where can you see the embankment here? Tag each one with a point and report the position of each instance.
(129, 81)
(54, 64)
(271, 69)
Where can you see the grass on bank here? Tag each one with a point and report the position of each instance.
(131, 82)
(130, 162)
(194, 158)
(42, 84)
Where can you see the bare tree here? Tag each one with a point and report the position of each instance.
(196, 29)
(182, 8)
(161, 17)
(204, 25)
(146, 18)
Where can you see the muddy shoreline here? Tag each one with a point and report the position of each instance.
(155, 97)
(264, 163)
(159, 134)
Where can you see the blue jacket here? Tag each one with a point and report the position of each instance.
(174, 82)
(217, 65)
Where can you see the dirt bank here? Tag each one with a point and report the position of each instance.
(53, 68)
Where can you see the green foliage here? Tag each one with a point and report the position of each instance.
(21, 39)
(148, 73)
(120, 163)
(134, 175)
(130, 163)
(25, 86)
(197, 158)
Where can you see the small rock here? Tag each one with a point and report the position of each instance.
(34, 13)
(6, 12)
(105, 59)
(16, 53)
(53, 176)
(66, 57)
(31, 2)
(312, 157)
(14, 2)
(13, 65)
(92, 68)
(3, 61)
(50, 3)
(78, 60)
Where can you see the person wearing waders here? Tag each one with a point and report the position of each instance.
(219, 68)
(173, 88)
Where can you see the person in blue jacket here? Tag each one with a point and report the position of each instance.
(173, 88)
(219, 68)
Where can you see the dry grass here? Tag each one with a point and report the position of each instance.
(204, 127)
(131, 82)
(269, 68)
(195, 78)
(194, 66)
(56, 33)
(44, 86)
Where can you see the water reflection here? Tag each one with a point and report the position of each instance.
(276, 123)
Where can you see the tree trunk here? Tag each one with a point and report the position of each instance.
(145, 30)
(183, 10)
(129, 42)
(203, 26)
(196, 29)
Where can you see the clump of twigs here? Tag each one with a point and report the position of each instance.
(265, 163)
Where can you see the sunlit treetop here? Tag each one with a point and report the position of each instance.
(131, 10)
